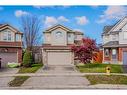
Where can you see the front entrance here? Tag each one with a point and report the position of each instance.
(125, 58)
(59, 58)
(114, 56)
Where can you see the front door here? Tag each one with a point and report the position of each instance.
(125, 58)
(114, 56)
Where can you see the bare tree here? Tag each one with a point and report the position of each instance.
(31, 27)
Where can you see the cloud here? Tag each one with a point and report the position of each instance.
(1, 8)
(62, 19)
(113, 12)
(82, 20)
(19, 13)
(51, 20)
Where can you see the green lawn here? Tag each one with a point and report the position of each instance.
(18, 81)
(99, 68)
(31, 69)
(105, 79)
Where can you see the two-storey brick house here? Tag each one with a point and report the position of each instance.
(10, 44)
(57, 45)
(115, 43)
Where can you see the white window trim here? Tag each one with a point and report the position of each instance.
(7, 36)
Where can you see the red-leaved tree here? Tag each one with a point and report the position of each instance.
(85, 51)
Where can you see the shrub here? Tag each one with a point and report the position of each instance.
(85, 51)
(98, 58)
(27, 59)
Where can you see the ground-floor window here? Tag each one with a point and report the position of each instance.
(106, 52)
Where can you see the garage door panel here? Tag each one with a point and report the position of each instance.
(8, 57)
(59, 58)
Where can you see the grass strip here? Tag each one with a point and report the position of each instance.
(105, 79)
(18, 81)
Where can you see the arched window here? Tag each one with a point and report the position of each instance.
(58, 34)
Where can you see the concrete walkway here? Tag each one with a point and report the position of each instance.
(4, 80)
(59, 81)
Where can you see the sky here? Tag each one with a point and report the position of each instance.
(88, 19)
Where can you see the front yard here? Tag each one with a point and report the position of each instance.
(99, 68)
(31, 69)
(104, 79)
(19, 80)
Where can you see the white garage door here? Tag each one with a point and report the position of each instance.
(8, 57)
(59, 58)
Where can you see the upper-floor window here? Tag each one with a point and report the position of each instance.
(18, 37)
(7, 35)
(58, 34)
(125, 35)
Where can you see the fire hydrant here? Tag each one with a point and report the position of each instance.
(108, 70)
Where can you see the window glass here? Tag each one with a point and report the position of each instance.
(9, 35)
(17, 37)
(106, 52)
(58, 34)
(5, 35)
(113, 51)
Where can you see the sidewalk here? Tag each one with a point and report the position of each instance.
(57, 74)
(98, 86)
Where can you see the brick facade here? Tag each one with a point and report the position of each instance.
(120, 51)
(10, 44)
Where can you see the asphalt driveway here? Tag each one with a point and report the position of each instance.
(58, 80)
(4, 80)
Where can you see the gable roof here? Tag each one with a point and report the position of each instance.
(7, 26)
(107, 29)
(118, 23)
(64, 28)
(111, 28)
(58, 26)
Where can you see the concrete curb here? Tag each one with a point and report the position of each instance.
(57, 74)
(100, 86)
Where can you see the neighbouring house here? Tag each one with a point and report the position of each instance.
(10, 44)
(57, 45)
(115, 43)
